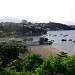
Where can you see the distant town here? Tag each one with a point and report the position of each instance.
(26, 28)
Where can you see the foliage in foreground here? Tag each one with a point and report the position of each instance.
(28, 64)
(52, 66)
(33, 64)
(10, 51)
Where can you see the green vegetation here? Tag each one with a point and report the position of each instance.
(4, 34)
(42, 40)
(28, 28)
(10, 51)
(33, 64)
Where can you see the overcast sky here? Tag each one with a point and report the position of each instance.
(61, 11)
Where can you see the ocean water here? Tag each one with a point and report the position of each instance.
(57, 36)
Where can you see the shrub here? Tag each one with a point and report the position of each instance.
(42, 40)
(52, 66)
(31, 62)
(10, 51)
(70, 65)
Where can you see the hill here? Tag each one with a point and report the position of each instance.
(58, 26)
(25, 27)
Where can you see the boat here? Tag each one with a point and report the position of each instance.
(74, 41)
(49, 34)
(55, 35)
(63, 40)
(65, 35)
(52, 40)
(61, 34)
(48, 42)
(70, 40)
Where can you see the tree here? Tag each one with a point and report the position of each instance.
(31, 62)
(10, 51)
(70, 65)
(24, 22)
(15, 65)
(1, 68)
(42, 40)
(63, 54)
(52, 66)
(45, 68)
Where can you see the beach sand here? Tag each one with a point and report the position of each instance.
(44, 50)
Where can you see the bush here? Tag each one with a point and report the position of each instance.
(34, 65)
(45, 68)
(52, 66)
(15, 65)
(42, 40)
(10, 51)
(1, 68)
(31, 62)
(70, 65)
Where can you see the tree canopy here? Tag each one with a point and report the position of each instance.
(10, 51)
(33, 64)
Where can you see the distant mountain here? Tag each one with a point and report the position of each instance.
(7, 19)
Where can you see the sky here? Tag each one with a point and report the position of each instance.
(60, 11)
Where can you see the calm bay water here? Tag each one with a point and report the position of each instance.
(57, 36)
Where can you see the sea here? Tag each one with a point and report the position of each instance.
(57, 36)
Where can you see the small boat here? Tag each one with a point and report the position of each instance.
(48, 42)
(52, 40)
(65, 35)
(49, 34)
(55, 35)
(70, 40)
(74, 41)
(61, 34)
(63, 40)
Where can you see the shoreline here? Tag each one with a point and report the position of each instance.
(45, 50)
(64, 51)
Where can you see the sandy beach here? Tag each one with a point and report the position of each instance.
(44, 50)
